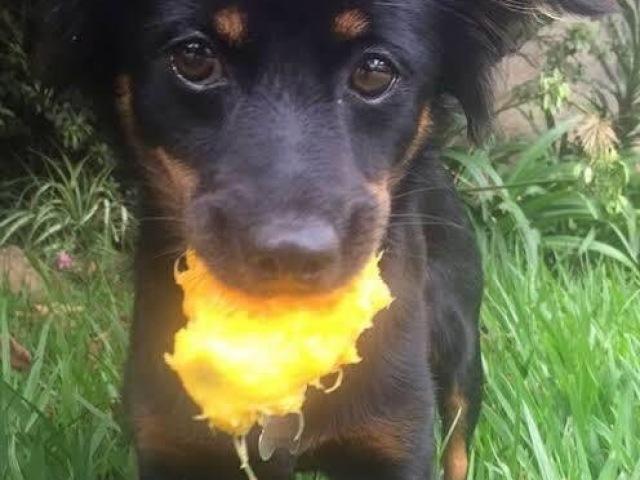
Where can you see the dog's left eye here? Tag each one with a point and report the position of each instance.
(196, 63)
(373, 77)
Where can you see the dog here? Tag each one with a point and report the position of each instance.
(287, 142)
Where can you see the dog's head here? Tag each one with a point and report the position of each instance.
(273, 132)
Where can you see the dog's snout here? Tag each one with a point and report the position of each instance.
(303, 252)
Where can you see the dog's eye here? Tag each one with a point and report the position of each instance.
(374, 76)
(196, 63)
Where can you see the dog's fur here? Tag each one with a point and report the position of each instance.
(284, 145)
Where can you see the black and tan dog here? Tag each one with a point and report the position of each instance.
(287, 141)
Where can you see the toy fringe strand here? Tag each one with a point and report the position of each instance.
(240, 444)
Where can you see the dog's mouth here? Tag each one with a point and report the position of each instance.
(288, 287)
(242, 277)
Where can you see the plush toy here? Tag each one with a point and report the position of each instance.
(243, 358)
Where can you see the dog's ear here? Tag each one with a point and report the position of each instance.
(78, 41)
(479, 33)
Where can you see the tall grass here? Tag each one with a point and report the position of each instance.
(57, 421)
(562, 355)
(524, 192)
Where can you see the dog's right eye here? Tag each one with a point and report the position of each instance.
(195, 62)
(374, 76)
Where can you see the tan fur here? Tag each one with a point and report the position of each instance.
(350, 24)
(423, 127)
(124, 106)
(422, 130)
(456, 462)
(380, 189)
(172, 181)
(231, 24)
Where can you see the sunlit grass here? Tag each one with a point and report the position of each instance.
(562, 355)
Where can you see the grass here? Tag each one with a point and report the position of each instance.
(56, 420)
(561, 351)
(72, 205)
(562, 355)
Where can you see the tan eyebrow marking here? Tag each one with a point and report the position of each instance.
(350, 24)
(231, 24)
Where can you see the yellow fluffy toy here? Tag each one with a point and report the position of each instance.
(244, 358)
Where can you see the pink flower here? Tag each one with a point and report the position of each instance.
(64, 261)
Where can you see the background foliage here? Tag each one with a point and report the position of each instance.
(57, 190)
(33, 116)
(572, 187)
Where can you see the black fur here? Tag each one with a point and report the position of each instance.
(285, 147)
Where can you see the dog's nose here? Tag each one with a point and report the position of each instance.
(303, 252)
